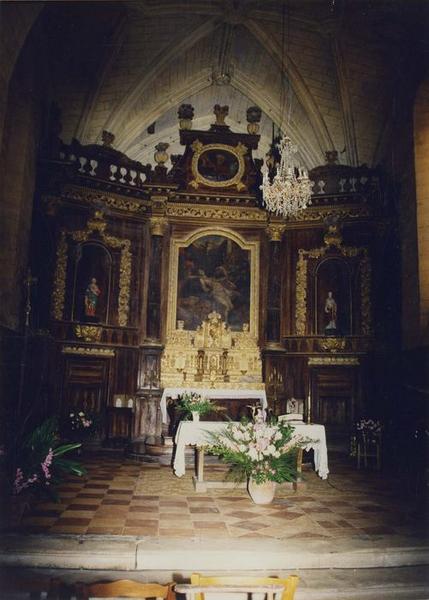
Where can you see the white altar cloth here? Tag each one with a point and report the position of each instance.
(195, 434)
(213, 394)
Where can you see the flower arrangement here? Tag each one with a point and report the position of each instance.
(192, 402)
(370, 428)
(258, 450)
(40, 462)
(79, 424)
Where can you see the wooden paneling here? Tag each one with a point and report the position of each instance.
(334, 394)
(86, 385)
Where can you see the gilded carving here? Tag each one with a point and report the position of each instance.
(159, 204)
(97, 224)
(237, 151)
(212, 356)
(124, 276)
(275, 232)
(301, 282)
(365, 292)
(89, 333)
(232, 213)
(320, 213)
(333, 237)
(301, 294)
(333, 360)
(97, 198)
(332, 344)
(84, 351)
(158, 225)
(60, 279)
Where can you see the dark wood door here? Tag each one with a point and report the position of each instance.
(86, 386)
(334, 392)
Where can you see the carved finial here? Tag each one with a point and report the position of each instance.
(185, 114)
(253, 114)
(107, 138)
(221, 112)
(161, 155)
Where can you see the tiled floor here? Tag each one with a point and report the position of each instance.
(122, 497)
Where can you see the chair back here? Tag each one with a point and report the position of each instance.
(295, 406)
(291, 417)
(191, 592)
(125, 588)
(289, 583)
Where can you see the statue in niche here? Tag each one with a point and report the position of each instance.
(331, 311)
(92, 294)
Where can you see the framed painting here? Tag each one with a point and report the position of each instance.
(213, 270)
(218, 165)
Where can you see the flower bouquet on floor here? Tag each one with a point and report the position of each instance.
(195, 405)
(369, 429)
(262, 452)
(79, 425)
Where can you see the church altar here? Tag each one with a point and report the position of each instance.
(213, 394)
(195, 434)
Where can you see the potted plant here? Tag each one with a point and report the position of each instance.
(35, 467)
(194, 405)
(264, 453)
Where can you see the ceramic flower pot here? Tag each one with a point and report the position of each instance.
(195, 416)
(261, 493)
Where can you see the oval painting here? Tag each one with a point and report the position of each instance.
(218, 165)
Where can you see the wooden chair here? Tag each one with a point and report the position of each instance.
(192, 592)
(125, 588)
(291, 417)
(368, 448)
(289, 583)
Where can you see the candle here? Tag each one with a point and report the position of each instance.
(309, 408)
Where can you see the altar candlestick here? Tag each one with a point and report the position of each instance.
(309, 407)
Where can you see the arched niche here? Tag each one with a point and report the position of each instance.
(91, 290)
(333, 298)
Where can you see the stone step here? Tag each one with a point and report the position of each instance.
(187, 554)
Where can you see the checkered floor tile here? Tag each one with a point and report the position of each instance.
(123, 497)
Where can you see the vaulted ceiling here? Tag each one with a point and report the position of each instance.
(325, 71)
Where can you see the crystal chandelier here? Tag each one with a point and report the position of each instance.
(289, 191)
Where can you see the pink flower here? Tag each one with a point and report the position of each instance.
(19, 483)
(47, 463)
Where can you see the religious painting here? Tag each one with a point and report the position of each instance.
(333, 298)
(92, 283)
(213, 275)
(218, 165)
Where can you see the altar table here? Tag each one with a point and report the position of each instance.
(196, 434)
(213, 394)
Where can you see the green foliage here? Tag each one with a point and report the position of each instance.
(190, 402)
(262, 451)
(40, 463)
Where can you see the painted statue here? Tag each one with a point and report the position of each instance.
(331, 311)
(92, 294)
